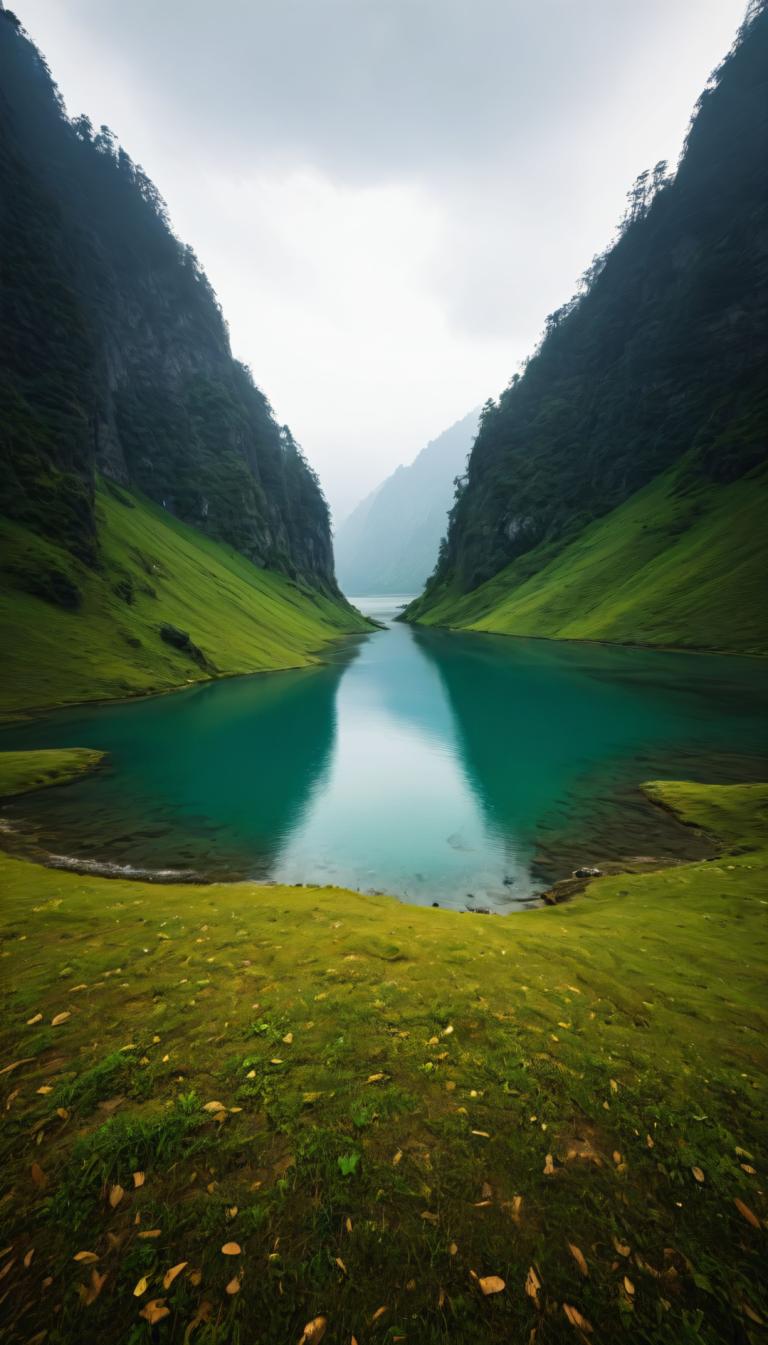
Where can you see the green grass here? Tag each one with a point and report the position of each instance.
(21, 772)
(154, 570)
(675, 566)
(413, 1097)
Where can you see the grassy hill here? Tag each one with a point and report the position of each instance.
(243, 1109)
(72, 632)
(682, 563)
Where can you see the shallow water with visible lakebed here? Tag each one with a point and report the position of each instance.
(470, 770)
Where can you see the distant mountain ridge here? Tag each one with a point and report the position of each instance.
(614, 490)
(389, 543)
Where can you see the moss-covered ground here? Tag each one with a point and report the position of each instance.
(153, 570)
(230, 1110)
(680, 564)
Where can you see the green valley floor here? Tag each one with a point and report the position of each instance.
(232, 1111)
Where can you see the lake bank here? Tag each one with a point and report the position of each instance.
(437, 767)
(406, 1097)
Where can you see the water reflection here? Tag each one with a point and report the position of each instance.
(469, 770)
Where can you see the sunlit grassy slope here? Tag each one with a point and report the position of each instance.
(675, 565)
(154, 570)
(21, 772)
(309, 1102)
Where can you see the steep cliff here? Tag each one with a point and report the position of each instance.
(114, 354)
(388, 544)
(654, 373)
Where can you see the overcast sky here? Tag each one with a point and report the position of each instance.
(388, 195)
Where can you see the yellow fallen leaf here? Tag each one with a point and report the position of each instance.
(138, 1179)
(85, 1256)
(154, 1311)
(151, 1233)
(616, 1156)
(140, 1287)
(276, 1061)
(374, 1078)
(45, 1088)
(288, 1039)
(614, 1086)
(170, 1275)
(60, 1018)
(396, 1158)
(15, 1064)
(649, 1142)
(698, 1174)
(453, 1249)
(491, 1284)
(628, 1285)
(38, 1018)
(532, 1285)
(747, 1167)
(116, 1194)
(214, 1106)
(446, 1032)
(623, 1248)
(549, 1166)
(89, 1293)
(314, 1331)
(28, 1258)
(578, 1257)
(483, 1134)
(348, 1224)
(234, 1285)
(377, 1314)
(63, 1113)
(231, 1249)
(747, 1213)
(576, 1319)
(341, 1265)
(38, 1176)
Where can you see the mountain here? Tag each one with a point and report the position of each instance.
(389, 543)
(115, 355)
(127, 424)
(616, 488)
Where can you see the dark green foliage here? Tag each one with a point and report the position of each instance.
(663, 352)
(115, 355)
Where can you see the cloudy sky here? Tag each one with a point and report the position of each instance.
(388, 195)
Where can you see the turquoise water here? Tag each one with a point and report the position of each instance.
(469, 770)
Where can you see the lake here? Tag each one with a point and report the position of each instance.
(468, 770)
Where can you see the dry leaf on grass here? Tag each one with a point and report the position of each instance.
(377, 1314)
(60, 1018)
(151, 1233)
(532, 1285)
(341, 1265)
(491, 1284)
(314, 1331)
(698, 1174)
(138, 1179)
(170, 1275)
(578, 1257)
(549, 1166)
(374, 1078)
(231, 1249)
(90, 1292)
(15, 1064)
(747, 1213)
(38, 1018)
(575, 1318)
(28, 1258)
(154, 1311)
(141, 1287)
(214, 1106)
(116, 1194)
(623, 1248)
(85, 1256)
(628, 1285)
(234, 1285)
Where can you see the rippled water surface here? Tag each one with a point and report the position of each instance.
(470, 770)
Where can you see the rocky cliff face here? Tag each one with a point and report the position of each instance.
(660, 358)
(115, 355)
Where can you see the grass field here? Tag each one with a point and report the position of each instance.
(231, 1110)
(677, 565)
(154, 570)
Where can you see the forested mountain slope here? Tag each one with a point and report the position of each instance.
(654, 373)
(389, 542)
(114, 354)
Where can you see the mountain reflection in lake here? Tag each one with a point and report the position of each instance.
(468, 770)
